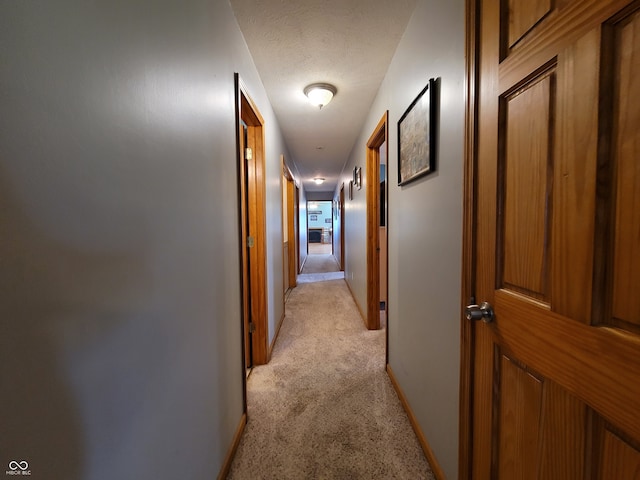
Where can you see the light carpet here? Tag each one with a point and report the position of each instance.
(320, 263)
(324, 407)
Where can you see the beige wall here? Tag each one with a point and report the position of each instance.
(120, 352)
(425, 227)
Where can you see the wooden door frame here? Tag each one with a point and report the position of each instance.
(252, 209)
(465, 444)
(376, 140)
(341, 213)
(299, 261)
(290, 226)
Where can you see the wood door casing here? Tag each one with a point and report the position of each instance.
(341, 214)
(555, 389)
(252, 224)
(376, 141)
(289, 187)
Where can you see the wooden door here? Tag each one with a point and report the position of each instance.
(377, 140)
(251, 160)
(290, 225)
(556, 375)
(341, 215)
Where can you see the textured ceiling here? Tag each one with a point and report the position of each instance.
(348, 43)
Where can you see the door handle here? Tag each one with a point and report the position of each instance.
(482, 312)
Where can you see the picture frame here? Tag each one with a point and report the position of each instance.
(350, 189)
(358, 180)
(417, 129)
(313, 218)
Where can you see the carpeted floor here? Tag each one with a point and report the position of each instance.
(324, 408)
(320, 263)
(319, 268)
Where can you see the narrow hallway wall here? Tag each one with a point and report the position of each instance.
(120, 351)
(425, 227)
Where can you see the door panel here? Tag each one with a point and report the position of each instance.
(523, 16)
(520, 399)
(525, 190)
(620, 459)
(574, 176)
(556, 390)
(626, 264)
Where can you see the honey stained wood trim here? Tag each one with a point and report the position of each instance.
(291, 232)
(256, 211)
(376, 140)
(290, 187)
(228, 459)
(468, 242)
(242, 231)
(426, 448)
(485, 231)
(342, 226)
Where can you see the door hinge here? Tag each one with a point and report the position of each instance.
(252, 327)
(248, 154)
(250, 242)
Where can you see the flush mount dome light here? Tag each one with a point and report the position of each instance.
(320, 93)
(319, 180)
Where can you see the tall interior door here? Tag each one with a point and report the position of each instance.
(377, 142)
(342, 226)
(555, 372)
(289, 227)
(252, 227)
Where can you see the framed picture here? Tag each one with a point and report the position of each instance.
(350, 189)
(417, 136)
(313, 218)
(327, 220)
(358, 180)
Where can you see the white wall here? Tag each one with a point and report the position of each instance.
(425, 227)
(120, 343)
(355, 224)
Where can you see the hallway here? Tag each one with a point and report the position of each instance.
(324, 406)
(121, 187)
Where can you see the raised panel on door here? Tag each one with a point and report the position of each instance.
(522, 16)
(541, 428)
(626, 155)
(526, 136)
(558, 242)
(619, 458)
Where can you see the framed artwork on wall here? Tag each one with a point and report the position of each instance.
(358, 180)
(417, 136)
(350, 189)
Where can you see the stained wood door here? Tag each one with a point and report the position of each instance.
(556, 375)
(251, 160)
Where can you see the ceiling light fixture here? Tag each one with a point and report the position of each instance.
(319, 180)
(320, 93)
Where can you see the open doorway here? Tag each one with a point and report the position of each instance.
(251, 166)
(320, 227)
(289, 227)
(377, 153)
